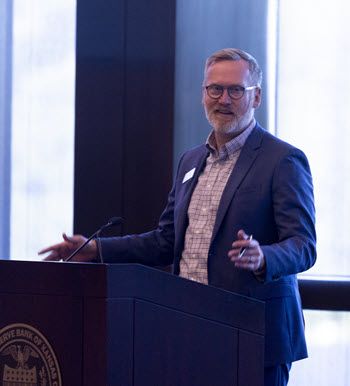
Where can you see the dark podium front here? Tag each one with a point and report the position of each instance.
(128, 325)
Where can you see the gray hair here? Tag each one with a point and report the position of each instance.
(235, 54)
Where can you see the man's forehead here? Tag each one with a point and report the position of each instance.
(236, 70)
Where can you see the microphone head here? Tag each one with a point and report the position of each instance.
(114, 221)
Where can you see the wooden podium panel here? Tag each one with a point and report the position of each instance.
(183, 337)
(57, 317)
(126, 325)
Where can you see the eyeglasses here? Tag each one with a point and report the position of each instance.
(215, 91)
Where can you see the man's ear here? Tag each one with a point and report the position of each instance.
(257, 98)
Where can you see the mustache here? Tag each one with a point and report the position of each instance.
(223, 110)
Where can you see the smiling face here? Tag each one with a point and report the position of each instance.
(227, 116)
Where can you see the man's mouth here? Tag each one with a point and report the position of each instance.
(224, 112)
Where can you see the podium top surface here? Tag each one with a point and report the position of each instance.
(111, 281)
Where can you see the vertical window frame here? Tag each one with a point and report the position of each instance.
(6, 15)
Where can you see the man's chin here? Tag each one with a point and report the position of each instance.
(228, 132)
(224, 128)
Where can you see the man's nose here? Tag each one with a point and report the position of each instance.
(225, 98)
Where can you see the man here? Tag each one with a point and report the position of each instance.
(240, 215)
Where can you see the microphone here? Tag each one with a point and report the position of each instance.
(111, 222)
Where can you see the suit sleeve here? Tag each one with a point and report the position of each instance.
(154, 248)
(294, 214)
(151, 248)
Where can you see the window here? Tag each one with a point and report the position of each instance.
(313, 93)
(42, 149)
(312, 113)
(328, 337)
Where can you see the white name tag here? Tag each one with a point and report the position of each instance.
(189, 175)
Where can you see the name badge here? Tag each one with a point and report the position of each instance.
(189, 175)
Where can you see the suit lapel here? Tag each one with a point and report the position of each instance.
(199, 164)
(245, 161)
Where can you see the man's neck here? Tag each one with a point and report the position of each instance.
(222, 138)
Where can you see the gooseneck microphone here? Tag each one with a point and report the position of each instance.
(111, 222)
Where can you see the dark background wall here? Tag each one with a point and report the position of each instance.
(124, 112)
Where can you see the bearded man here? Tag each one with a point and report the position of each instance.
(240, 215)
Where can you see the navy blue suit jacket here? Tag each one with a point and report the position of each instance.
(270, 195)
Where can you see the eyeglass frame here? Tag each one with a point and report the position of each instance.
(223, 88)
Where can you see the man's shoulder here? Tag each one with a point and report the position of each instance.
(271, 142)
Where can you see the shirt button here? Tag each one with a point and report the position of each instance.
(208, 186)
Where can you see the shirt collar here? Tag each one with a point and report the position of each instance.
(229, 148)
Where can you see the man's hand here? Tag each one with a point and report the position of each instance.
(63, 250)
(247, 254)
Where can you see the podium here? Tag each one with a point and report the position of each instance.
(86, 324)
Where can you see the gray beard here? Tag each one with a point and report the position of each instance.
(230, 127)
(224, 128)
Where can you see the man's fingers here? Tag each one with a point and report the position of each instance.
(248, 256)
(245, 252)
(69, 239)
(241, 235)
(63, 249)
(73, 241)
(249, 266)
(52, 256)
(56, 247)
(50, 248)
(246, 244)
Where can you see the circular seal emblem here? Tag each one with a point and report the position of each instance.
(26, 358)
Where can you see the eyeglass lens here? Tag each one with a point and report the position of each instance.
(215, 91)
